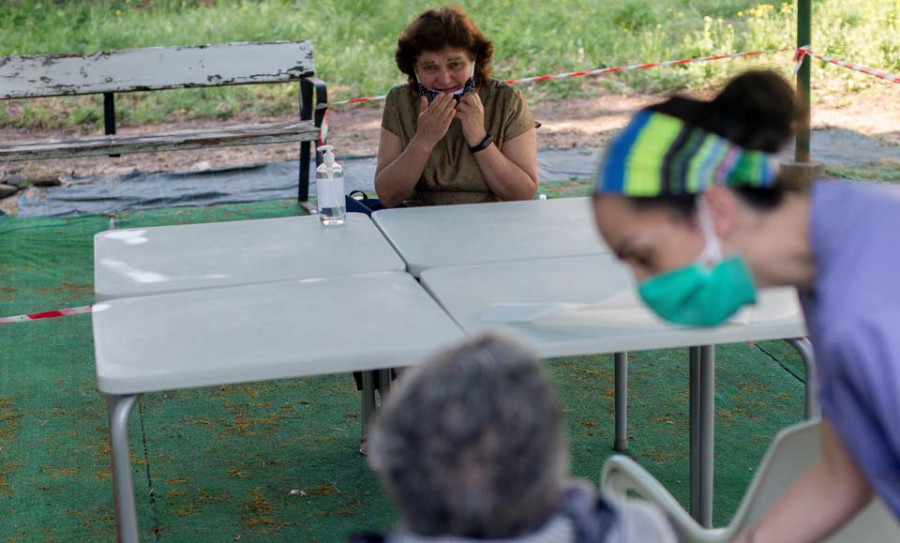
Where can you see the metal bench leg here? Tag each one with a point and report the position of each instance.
(310, 86)
(621, 402)
(804, 347)
(123, 485)
(702, 431)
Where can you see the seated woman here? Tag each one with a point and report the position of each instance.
(452, 135)
(471, 447)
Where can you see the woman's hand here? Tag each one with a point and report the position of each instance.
(470, 112)
(435, 119)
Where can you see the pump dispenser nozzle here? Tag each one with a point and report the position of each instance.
(328, 157)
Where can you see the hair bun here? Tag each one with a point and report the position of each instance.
(756, 110)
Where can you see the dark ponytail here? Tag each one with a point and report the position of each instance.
(756, 110)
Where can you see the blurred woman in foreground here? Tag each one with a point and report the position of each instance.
(689, 197)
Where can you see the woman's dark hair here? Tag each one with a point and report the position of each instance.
(438, 29)
(756, 110)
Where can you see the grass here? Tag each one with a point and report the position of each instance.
(884, 170)
(355, 39)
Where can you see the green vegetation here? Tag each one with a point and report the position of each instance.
(884, 170)
(354, 41)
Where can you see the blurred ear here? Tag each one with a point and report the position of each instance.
(722, 205)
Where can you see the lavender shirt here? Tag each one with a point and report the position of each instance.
(853, 317)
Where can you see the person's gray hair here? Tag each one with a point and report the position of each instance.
(471, 443)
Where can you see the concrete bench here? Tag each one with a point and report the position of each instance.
(160, 68)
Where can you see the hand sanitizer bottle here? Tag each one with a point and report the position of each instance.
(330, 189)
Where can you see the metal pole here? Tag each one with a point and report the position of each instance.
(621, 394)
(804, 37)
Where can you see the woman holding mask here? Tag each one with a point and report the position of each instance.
(687, 197)
(452, 135)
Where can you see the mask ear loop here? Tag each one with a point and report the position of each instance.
(712, 250)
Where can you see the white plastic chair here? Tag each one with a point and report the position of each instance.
(793, 451)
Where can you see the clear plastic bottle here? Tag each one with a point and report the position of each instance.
(330, 189)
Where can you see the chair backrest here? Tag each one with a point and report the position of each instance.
(155, 68)
(794, 450)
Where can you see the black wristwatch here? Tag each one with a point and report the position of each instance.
(483, 145)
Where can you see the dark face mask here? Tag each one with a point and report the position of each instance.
(430, 95)
(457, 94)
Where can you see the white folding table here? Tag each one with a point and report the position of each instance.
(140, 261)
(611, 321)
(437, 236)
(254, 332)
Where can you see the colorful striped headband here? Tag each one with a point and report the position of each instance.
(661, 155)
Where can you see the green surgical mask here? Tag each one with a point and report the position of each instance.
(704, 293)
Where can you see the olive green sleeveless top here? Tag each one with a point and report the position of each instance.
(452, 175)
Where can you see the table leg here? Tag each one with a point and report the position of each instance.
(119, 410)
(384, 384)
(707, 431)
(702, 431)
(621, 402)
(694, 423)
(804, 347)
(368, 400)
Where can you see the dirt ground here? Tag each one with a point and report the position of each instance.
(354, 131)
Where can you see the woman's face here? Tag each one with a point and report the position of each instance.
(444, 71)
(650, 241)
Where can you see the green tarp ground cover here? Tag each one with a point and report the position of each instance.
(277, 461)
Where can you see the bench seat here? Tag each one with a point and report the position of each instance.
(163, 68)
(283, 132)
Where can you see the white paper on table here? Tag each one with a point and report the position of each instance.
(618, 306)
(512, 313)
(772, 304)
(626, 308)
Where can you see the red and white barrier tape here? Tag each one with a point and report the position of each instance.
(359, 100)
(807, 50)
(599, 71)
(642, 66)
(46, 315)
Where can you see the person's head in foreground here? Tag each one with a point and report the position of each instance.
(689, 197)
(684, 192)
(471, 445)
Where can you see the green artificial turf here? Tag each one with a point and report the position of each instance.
(278, 461)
